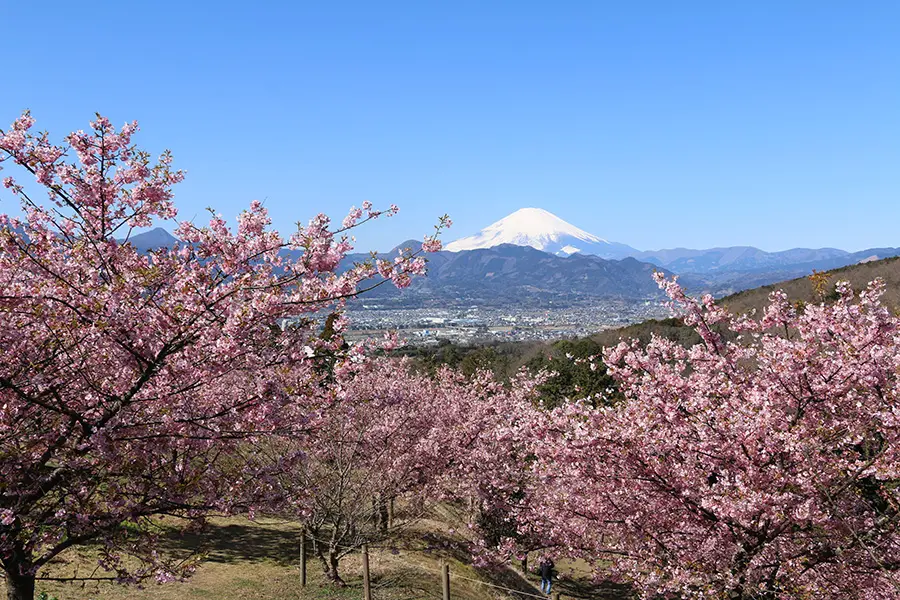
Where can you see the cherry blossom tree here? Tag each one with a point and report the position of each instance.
(496, 443)
(387, 436)
(125, 377)
(375, 441)
(763, 466)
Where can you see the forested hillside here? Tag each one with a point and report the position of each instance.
(817, 287)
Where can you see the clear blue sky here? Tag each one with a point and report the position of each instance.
(656, 124)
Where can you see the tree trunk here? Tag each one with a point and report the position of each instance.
(332, 571)
(19, 574)
(19, 587)
(375, 512)
(382, 514)
(330, 565)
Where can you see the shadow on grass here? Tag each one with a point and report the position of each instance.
(577, 588)
(412, 580)
(229, 543)
(512, 580)
(587, 589)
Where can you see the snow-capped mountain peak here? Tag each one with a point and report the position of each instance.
(539, 229)
(533, 227)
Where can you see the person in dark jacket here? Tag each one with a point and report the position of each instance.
(546, 568)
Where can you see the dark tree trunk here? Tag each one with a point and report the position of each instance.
(19, 587)
(375, 512)
(19, 574)
(329, 562)
(382, 514)
(333, 574)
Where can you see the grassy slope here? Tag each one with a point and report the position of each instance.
(259, 560)
(801, 289)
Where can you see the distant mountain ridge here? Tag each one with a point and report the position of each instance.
(734, 257)
(153, 239)
(762, 268)
(508, 275)
(755, 300)
(517, 272)
(718, 270)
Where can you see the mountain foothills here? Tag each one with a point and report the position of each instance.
(810, 289)
(502, 275)
(719, 270)
(533, 258)
(509, 274)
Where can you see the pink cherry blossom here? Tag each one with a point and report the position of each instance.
(126, 377)
(761, 463)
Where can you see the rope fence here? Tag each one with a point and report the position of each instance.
(556, 595)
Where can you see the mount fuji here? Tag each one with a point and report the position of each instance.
(542, 230)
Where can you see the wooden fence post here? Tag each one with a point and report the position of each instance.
(303, 557)
(367, 582)
(445, 579)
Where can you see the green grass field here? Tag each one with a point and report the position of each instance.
(251, 560)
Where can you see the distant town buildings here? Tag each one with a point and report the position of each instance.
(428, 326)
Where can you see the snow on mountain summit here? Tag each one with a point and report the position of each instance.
(539, 229)
(533, 227)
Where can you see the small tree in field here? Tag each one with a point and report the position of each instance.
(760, 468)
(125, 378)
(373, 443)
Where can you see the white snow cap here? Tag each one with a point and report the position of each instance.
(533, 227)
